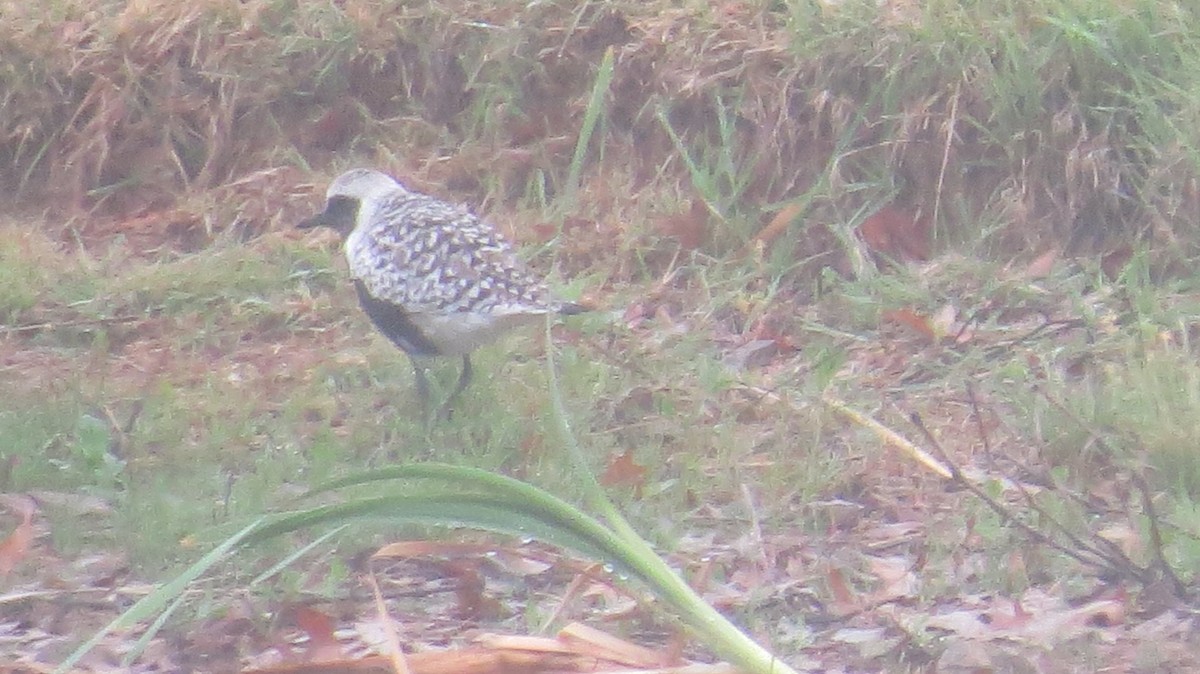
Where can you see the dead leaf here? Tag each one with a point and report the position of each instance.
(896, 576)
(1125, 536)
(1036, 618)
(636, 313)
(322, 645)
(1106, 612)
(689, 228)
(898, 233)
(775, 228)
(622, 470)
(1114, 261)
(543, 231)
(965, 657)
(945, 321)
(589, 640)
(851, 635)
(424, 548)
(754, 354)
(1003, 620)
(336, 127)
(845, 602)
(520, 565)
(390, 641)
(15, 548)
(913, 321)
(1042, 265)
(469, 588)
(487, 660)
(73, 502)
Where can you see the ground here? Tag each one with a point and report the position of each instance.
(890, 384)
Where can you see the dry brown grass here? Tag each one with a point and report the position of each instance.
(963, 114)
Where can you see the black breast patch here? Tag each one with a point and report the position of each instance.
(340, 214)
(395, 323)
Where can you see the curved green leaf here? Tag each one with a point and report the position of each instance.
(480, 511)
(502, 504)
(158, 600)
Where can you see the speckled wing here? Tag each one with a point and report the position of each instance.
(431, 257)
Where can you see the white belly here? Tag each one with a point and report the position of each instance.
(461, 333)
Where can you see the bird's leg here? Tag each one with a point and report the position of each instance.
(422, 387)
(464, 378)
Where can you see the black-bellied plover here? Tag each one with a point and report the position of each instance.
(434, 278)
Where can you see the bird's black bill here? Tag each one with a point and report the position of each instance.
(339, 214)
(317, 220)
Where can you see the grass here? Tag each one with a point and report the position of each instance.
(207, 362)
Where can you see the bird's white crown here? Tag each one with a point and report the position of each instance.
(362, 184)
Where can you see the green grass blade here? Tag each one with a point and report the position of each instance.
(722, 636)
(517, 492)
(490, 512)
(464, 476)
(159, 599)
(701, 179)
(593, 493)
(590, 117)
(523, 510)
(139, 647)
(287, 561)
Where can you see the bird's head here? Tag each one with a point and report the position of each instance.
(346, 195)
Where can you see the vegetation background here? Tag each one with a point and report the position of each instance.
(974, 222)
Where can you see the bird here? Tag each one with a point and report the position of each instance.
(433, 277)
